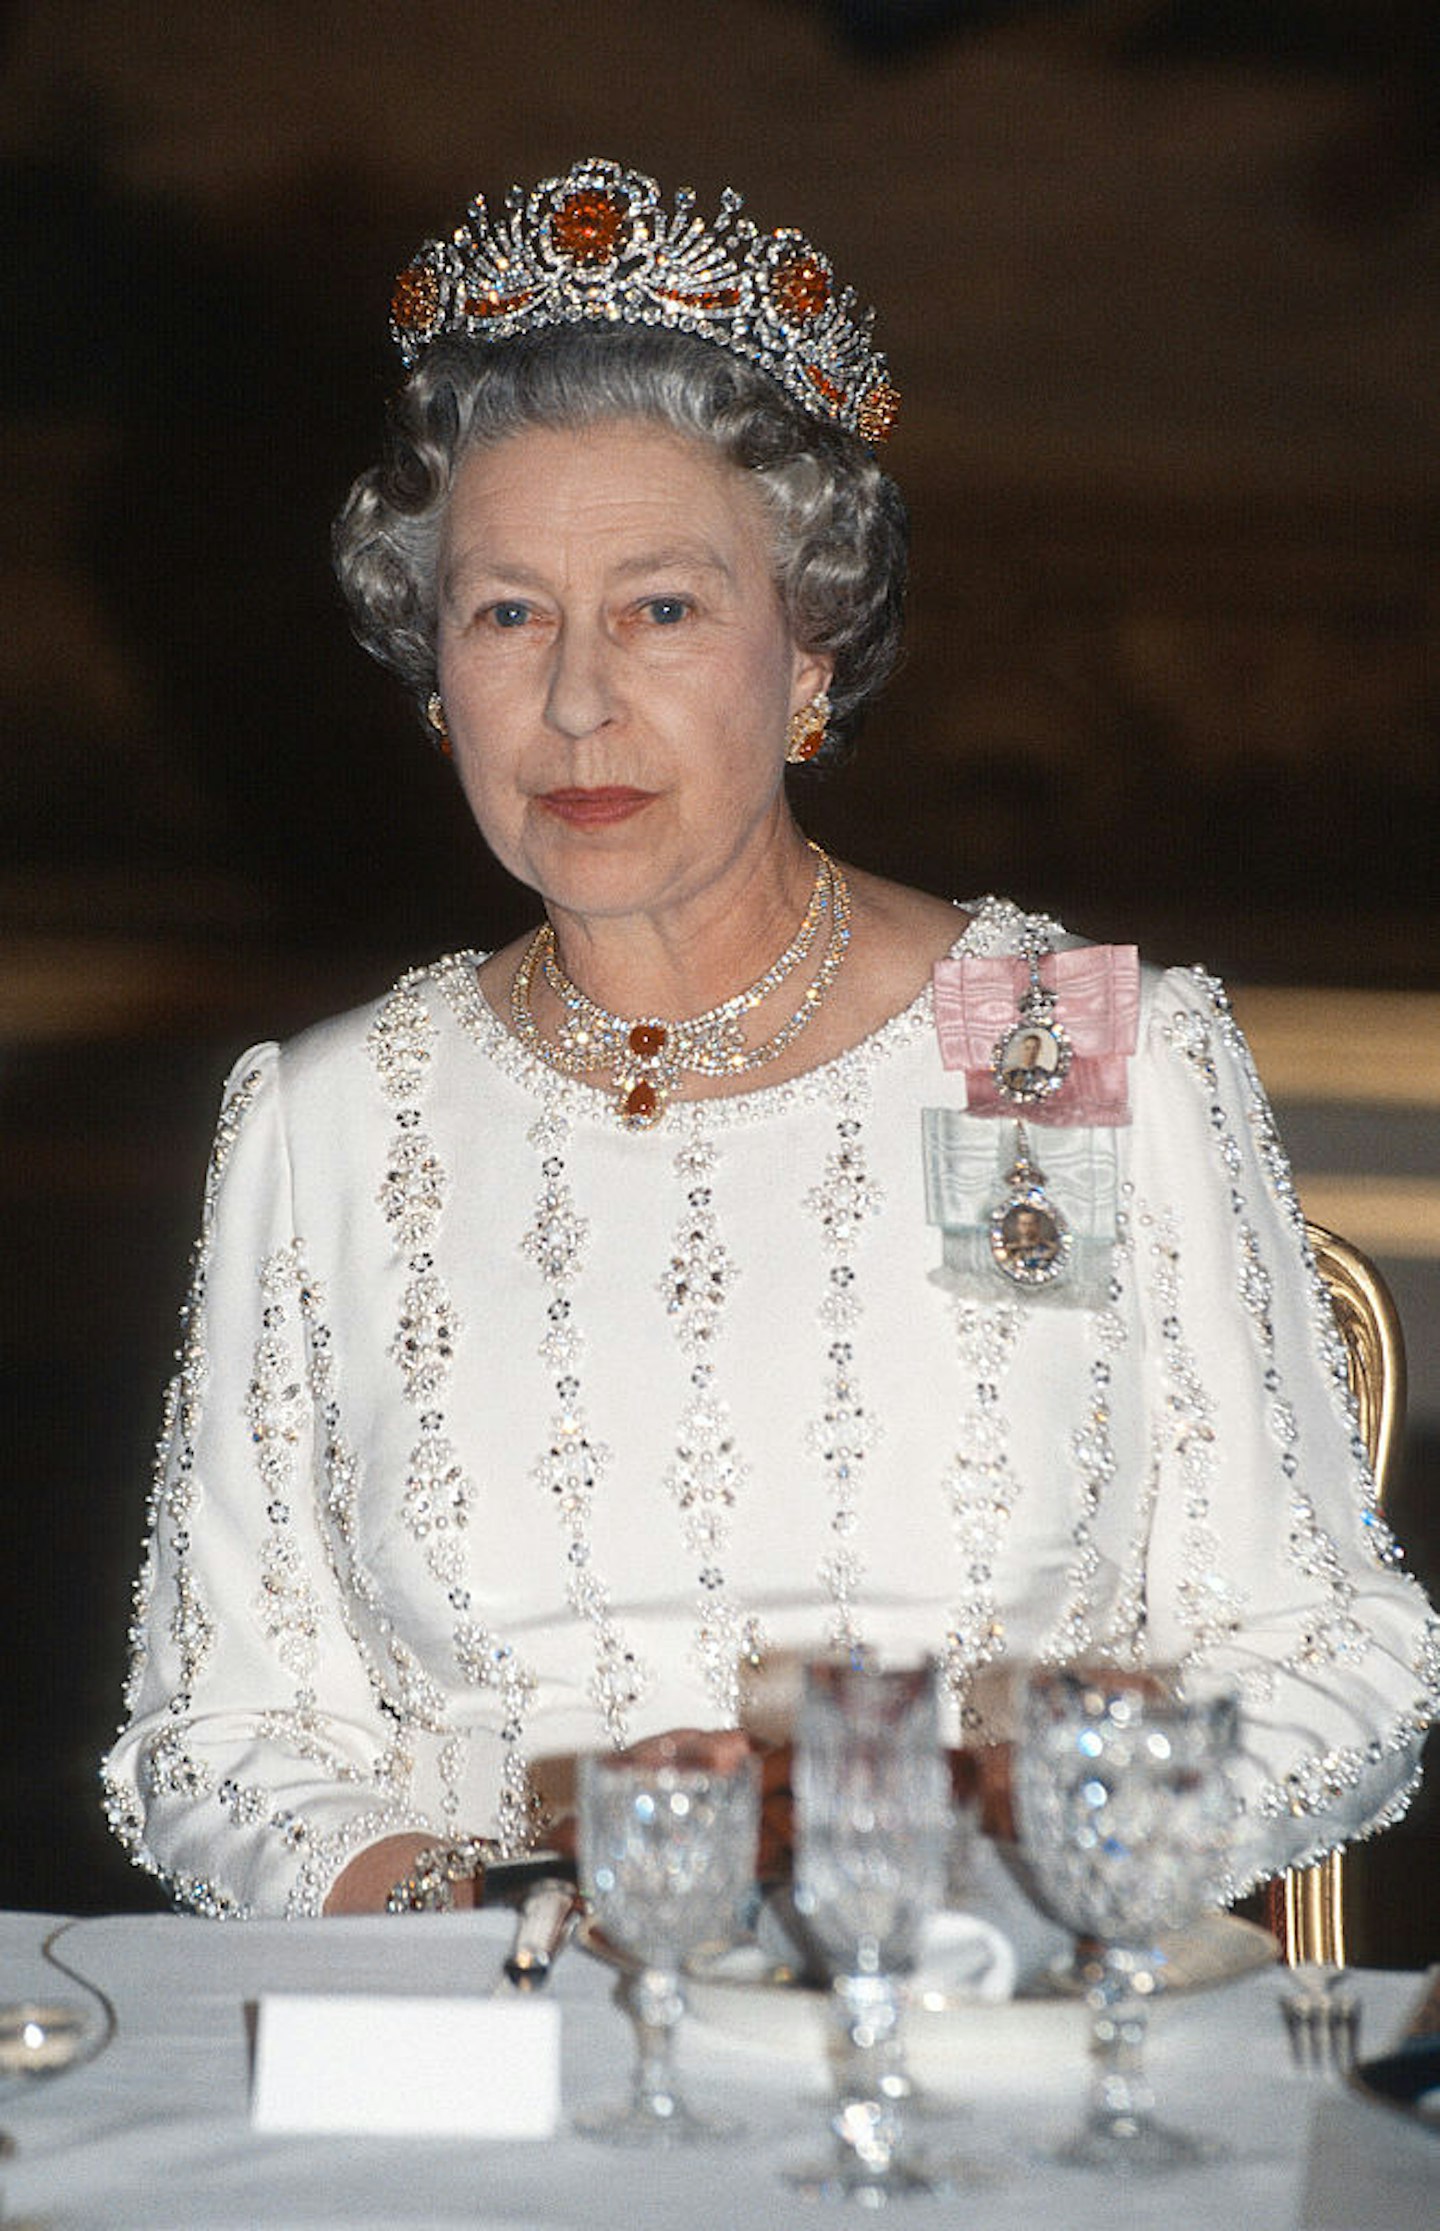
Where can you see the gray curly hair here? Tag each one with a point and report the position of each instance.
(840, 533)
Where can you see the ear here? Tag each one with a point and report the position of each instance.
(811, 673)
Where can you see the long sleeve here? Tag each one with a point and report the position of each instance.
(260, 1750)
(1267, 1556)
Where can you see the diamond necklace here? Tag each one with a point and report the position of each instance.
(648, 1055)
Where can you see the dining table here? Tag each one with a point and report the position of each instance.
(157, 2132)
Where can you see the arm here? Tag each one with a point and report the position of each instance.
(1266, 1555)
(261, 1752)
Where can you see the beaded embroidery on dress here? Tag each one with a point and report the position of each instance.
(537, 1429)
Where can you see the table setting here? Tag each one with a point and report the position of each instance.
(920, 2022)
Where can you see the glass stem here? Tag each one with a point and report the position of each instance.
(1120, 2094)
(657, 2002)
(867, 2118)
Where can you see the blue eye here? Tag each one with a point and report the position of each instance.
(510, 614)
(665, 611)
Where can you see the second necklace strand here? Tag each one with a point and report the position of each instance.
(648, 1055)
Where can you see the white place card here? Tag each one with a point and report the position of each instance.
(358, 2062)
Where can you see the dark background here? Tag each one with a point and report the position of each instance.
(1157, 282)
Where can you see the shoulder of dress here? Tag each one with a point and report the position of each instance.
(1191, 991)
(414, 1003)
(999, 925)
(1003, 925)
(251, 1070)
(1185, 1012)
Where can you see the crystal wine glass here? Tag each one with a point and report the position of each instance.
(1126, 1811)
(42, 2039)
(872, 1834)
(667, 1857)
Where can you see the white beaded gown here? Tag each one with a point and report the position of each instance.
(501, 1433)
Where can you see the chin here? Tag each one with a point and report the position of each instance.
(598, 887)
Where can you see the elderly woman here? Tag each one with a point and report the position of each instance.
(586, 1319)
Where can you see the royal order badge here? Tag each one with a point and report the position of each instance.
(1030, 1240)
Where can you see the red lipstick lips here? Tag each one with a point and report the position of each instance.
(594, 809)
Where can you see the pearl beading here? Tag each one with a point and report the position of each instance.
(570, 1469)
(439, 1495)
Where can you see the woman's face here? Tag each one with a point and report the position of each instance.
(616, 669)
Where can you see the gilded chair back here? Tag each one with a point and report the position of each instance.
(1307, 1908)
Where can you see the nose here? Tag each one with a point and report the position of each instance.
(581, 695)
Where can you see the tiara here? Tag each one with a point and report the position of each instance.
(597, 246)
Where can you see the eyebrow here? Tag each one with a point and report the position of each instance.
(474, 564)
(698, 557)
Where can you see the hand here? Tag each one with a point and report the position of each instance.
(776, 1861)
(978, 1776)
(981, 1775)
(699, 1749)
(723, 1748)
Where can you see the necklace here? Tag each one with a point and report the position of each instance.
(648, 1055)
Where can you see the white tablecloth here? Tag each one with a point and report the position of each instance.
(156, 2132)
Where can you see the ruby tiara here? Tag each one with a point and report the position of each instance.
(596, 246)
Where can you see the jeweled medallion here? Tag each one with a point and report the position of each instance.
(1033, 1060)
(1030, 1240)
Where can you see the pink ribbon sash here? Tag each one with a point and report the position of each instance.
(1097, 999)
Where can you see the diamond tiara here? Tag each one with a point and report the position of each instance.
(596, 246)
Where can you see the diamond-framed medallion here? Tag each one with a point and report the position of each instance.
(1030, 1240)
(1032, 1060)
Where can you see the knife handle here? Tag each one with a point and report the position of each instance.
(545, 1920)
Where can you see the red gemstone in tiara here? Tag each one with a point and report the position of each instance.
(599, 245)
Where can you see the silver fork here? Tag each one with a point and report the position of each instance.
(1322, 2021)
